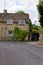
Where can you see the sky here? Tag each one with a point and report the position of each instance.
(28, 6)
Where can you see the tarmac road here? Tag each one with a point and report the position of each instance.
(20, 53)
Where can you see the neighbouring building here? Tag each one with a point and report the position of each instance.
(8, 21)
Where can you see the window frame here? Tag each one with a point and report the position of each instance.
(10, 34)
(22, 22)
(9, 21)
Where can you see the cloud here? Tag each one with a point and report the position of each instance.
(29, 6)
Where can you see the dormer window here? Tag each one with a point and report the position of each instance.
(21, 22)
(9, 21)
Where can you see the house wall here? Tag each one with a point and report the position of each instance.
(24, 27)
(4, 27)
(2, 31)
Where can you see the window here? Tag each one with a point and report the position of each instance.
(21, 22)
(10, 33)
(9, 21)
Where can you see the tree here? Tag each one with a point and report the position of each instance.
(30, 28)
(33, 29)
(30, 24)
(20, 12)
(19, 34)
(40, 10)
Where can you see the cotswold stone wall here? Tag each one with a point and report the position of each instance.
(41, 38)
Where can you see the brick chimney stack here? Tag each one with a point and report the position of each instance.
(5, 11)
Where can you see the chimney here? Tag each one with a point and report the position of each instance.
(5, 11)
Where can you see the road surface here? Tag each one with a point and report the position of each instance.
(19, 53)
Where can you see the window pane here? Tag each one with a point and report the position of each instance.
(22, 22)
(9, 21)
(9, 32)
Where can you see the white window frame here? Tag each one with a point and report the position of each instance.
(21, 22)
(9, 21)
(10, 35)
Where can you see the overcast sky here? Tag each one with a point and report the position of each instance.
(29, 6)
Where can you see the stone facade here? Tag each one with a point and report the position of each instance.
(41, 37)
(4, 27)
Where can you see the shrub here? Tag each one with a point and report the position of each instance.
(19, 34)
(10, 39)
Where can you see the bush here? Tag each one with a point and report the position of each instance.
(10, 39)
(19, 34)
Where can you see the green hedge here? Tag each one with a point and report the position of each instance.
(35, 31)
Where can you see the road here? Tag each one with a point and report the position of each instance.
(19, 53)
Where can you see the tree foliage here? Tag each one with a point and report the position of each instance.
(40, 10)
(20, 35)
(30, 24)
(20, 12)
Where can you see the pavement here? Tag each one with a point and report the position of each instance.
(20, 53)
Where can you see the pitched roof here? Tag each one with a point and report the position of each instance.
(13, 16)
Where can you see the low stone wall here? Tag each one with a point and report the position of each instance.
(41, 38)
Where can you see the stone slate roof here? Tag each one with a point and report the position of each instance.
(14, 16)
